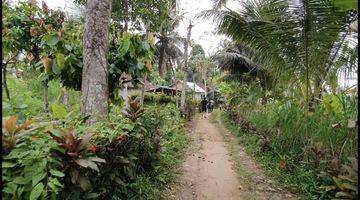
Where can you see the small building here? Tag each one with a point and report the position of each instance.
(128, 89)
(163, 89)
(199, 92)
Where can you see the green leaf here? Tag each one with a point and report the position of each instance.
(84, 183)
(132, 51)
(146, 46)
(74, 174)
(140, 65)
(55, 185)
(6, 106)
(92, 196)
(129, 127)
(57, 133)
(343, 194)
(21, 106)
(328, 187)
(55, 68)
(68, 47)
(87, 163)
(20, 191)
(36, 191)
(119, 181)
(37, 178)
(59, 111)
(10, 188)
(8, 165)
(349, 186)
(125, 44)
(56, 173)
(20, 180)
(60, 59)
(97, 159)
(51, 39)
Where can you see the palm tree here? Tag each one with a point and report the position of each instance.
(168, 43)
(288, 39)
(167, 50)
(240, 63)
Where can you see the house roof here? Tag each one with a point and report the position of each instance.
(200, 84)
(163, 89)
(193, 86)
(190, 85)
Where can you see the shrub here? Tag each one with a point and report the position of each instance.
(130, 156)
(294, 144)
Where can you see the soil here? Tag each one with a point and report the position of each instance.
(217, 168)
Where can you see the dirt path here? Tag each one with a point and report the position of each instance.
(211, 171)
(208, 171)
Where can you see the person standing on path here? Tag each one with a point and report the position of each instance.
(203, 103)
(210, 105)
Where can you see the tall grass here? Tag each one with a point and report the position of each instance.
(304, 143)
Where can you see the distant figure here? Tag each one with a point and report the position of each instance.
(211, 105)
(203, 103)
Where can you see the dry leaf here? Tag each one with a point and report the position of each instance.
(10, 124)
(354, 26)
(351, 123)
(337, 125)
(282, 164)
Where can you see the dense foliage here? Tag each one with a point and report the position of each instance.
(303, 149)
(282, 94)
(134, 151)
(276, 80)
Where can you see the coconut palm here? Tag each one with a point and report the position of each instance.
(240, 63)
(168, 43)
(288, 39)
(167, 50)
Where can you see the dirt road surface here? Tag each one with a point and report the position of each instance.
(217, 168)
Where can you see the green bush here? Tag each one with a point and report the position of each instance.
(157, 98)
(27, 98)
(127, 157)
(295, 145)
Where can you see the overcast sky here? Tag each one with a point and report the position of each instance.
(203, 30)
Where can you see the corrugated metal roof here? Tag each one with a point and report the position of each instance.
(197, 88)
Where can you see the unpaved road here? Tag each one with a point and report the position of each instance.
(219, 170)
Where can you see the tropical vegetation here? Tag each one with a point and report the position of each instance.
(71, 130)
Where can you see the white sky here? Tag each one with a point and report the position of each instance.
(202, 31)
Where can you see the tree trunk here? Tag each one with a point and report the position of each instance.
(193, 94)
(316, 95)
(126, 27)
(183, 92)
(46, 94)
(36, 53)
(65, 98)
(306, 44)
(143, 91)
(126, 94)
(94, 88)
(145, 78)
(205, 88)
(176, 93)
(7, 92)
(161, 61)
